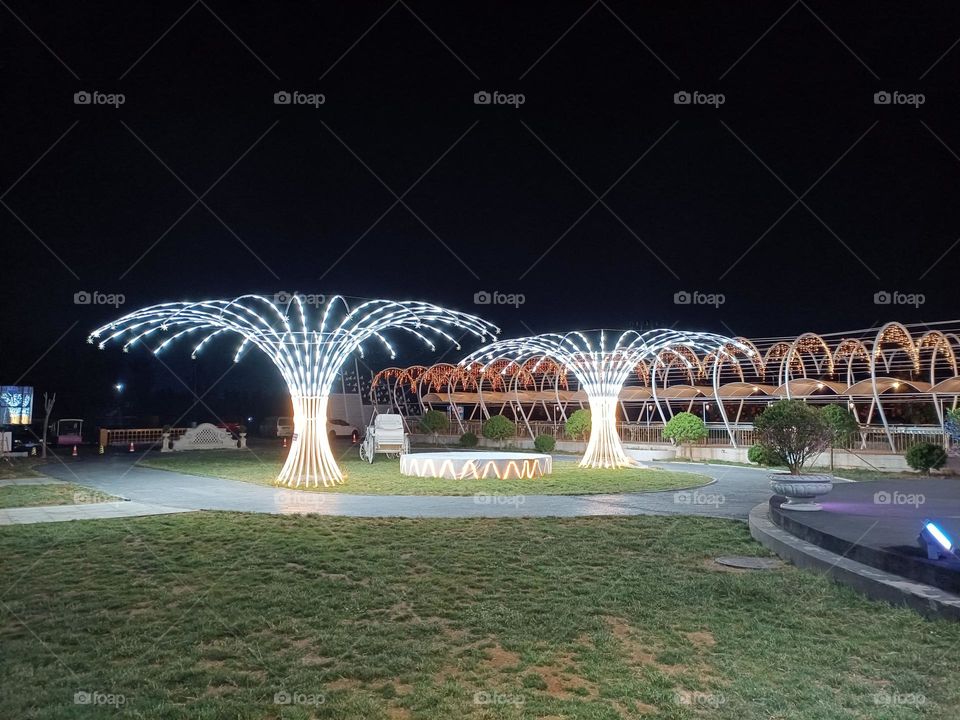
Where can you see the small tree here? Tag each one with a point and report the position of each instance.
(468, 439)
(925, 457)
(794, 431)
(499, 428)
(545, 443)
(842, 425)
(685, 428)
(434, 422)
(578, 424)
(762, 455)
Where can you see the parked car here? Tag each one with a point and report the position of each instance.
(276, 427)
(231, 426)
(337, 428)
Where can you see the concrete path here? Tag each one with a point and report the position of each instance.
(31, 481)
(89, 511)
(733, 493)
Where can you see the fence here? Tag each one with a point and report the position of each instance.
(137, 436)
(869, 439)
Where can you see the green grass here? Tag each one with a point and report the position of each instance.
(14, 496)
(210, 615)
(383, 476)
(14, 468)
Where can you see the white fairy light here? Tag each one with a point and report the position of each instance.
(308, 355)
(601, 372)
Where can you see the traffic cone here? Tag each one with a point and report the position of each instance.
(74, 453)
(131, 446)
(101, 449)
(284, 442)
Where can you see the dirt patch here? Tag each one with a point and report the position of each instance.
(701, 639)
(637, 652)
(498, 658)
(314, 660)
(397, 713)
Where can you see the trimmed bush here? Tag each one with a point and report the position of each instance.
(433, 422)
(578, 425)
(925, 457)
(795, 431)
(545, 443)
(762, 455)
(468, 439)
(499, 428)
(684, 428)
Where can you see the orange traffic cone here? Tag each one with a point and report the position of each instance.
(74, 453)
(131, 446)
(284, 442)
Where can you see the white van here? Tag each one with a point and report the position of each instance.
(276, 427)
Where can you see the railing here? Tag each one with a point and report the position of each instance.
(870, 439)
(125, 436)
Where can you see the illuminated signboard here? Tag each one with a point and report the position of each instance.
(16, 405)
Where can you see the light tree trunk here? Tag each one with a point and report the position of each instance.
(604, 449)
(310, 462)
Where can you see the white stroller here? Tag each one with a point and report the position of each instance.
(385, 435)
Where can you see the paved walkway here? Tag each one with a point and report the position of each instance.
(733, 493)
(31, 481)
(89, 511)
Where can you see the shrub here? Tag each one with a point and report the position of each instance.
(468, 439)
(951, 424)
(685, 428)
(762, 455)
(433, 422)
(578, 424)
(925, 457)
(794, 430)
(499, 428)
(545, 443)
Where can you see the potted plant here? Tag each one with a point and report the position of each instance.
(795, 432)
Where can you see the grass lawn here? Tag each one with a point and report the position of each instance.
(14, 468)
(262, 465)
(12, 496)
(217, 615)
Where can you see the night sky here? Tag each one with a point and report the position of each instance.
(598, 199)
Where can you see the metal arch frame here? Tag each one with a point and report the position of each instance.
(877, 349)
(793, 351)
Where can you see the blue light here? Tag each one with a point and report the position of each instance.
(939, 536)
(935, 542)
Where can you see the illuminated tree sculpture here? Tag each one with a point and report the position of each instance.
(308, 354)
(602, 371)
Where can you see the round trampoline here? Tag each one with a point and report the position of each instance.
(466, 465)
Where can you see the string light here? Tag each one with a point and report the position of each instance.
(308, 354)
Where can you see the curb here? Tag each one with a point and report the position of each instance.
(927, 600)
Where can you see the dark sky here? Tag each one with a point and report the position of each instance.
(694, 198)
